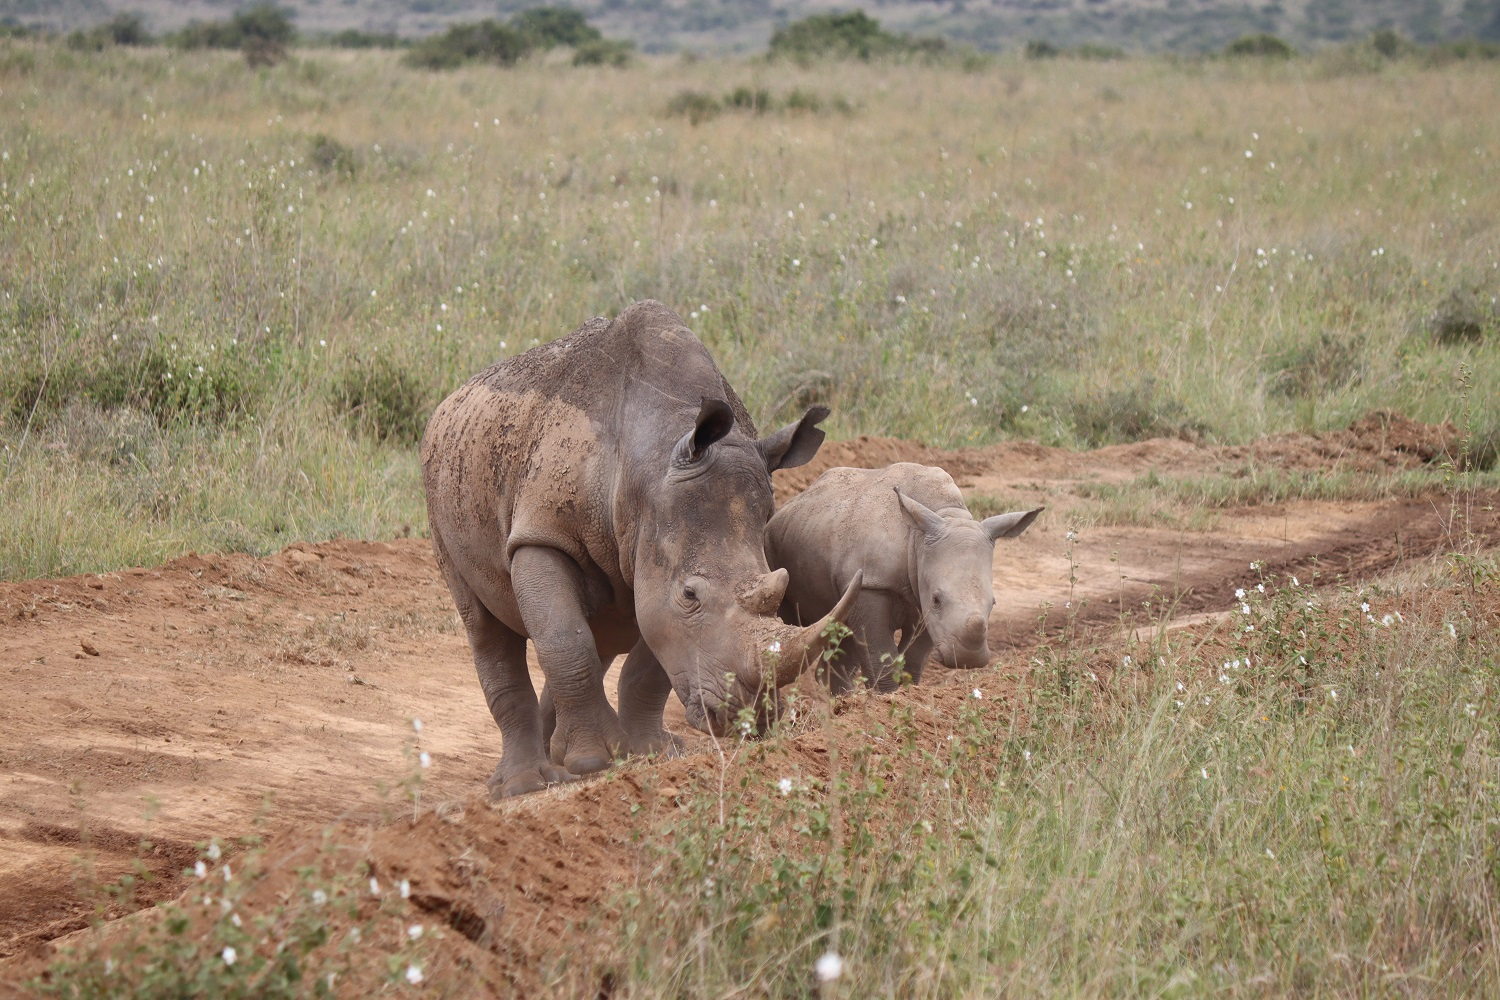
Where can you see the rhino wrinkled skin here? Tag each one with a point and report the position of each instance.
(604, 494)
(928, 567)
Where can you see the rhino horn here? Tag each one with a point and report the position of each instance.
(764, 596)
(809, 643)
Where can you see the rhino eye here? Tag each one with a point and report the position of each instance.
(689, 594)
(937, 600)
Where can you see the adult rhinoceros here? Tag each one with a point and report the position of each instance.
(604, 494)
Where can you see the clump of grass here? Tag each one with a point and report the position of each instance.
(1260, 46)
(1464, 315)
(614, 52)
(331, 156)
(383, 399)
(1139, 409)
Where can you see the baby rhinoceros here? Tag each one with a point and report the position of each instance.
(928, 567)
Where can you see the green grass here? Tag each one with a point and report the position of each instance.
(958, 246)
(1305, 808)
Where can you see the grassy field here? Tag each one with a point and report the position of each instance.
(228, 296)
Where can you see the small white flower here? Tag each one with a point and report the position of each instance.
(774, 647)
(1244, 609)
(414, 931)
(1180, 686)
(1333, 694)
(227, 874)
(1026, 755)
(1270, 854)
(1296, 582)
(1223, 678)
(1125, 661)
(1364, 607)
(1452, 632)
(425, 759)
(319, 897)
(1260, 587)
(1470, 709)
(828, 967)
(1071, 536)
(416, 725)
(200, 869)
(405, 888)
(1239, 595)
(213, 851)
(1203, 771)
(1387, 621)
(784, 786)
(234, 918)
(374, 887)
(229, 955)
(414, 974)
(322, 343)
(976, 694)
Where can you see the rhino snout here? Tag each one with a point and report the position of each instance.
(972, 633)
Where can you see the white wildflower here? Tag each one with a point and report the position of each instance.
(405, 888)
(829, 967)
(229, 955)
(414, 931)
(425, 759)
(784, 786)
(414, 974)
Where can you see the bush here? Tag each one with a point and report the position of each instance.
(1262, 46)
(353, 38)
(1040, 49)
(262, 31)
(757, 100)
(854, 35)
(331, 156)
(1464, 315)
(604, 52)
(694, 105)
(382, 400)
(481, 41)
(549, 27)
(122, 29)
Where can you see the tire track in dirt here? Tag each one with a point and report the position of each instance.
(215, 680)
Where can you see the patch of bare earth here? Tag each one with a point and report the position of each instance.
(219, 695)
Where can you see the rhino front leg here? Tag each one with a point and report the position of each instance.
(917, 650)
(549, 590)
(644, 688)
(875, 621)
(500, 658)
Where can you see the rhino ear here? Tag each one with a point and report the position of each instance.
(795, 444)
(715, 419)
(918, 513)
(1009, 525)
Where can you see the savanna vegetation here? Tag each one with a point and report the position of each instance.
(230, 294)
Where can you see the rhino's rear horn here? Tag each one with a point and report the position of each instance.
(803, 650)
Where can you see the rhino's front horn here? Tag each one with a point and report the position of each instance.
(764, 596)
(804, 648)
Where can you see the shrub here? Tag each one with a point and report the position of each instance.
(549, 27)
(331, 156)
(604, 52)
(1099, 53)
(382, 400)
(1463, 315)
(854, 35)
(1323, 364)
(122, 29)
(1262, 46)
(353, 38)
(747, 99)
(262, 31)
(1041, 49)
(481, 41)
(694, 105)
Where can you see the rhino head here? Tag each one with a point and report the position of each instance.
(952, 560)
(705, 597)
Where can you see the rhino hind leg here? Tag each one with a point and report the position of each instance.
(916, 651)
(549, 589)
(644, 688)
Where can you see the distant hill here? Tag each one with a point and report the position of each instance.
(745, 25)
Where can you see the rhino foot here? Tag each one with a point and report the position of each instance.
(657, 741)
(533, 777)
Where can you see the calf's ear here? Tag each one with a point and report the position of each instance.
(795, 444)
(919, 514)
(1009, 525)
(715, 419)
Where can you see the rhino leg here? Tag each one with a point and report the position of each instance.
(874, 620)
(917, 650)
(549, 589)
(644, 687)
(500, 658)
